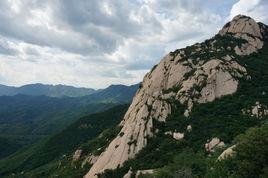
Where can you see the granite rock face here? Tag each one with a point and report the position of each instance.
(193, 75)
(245, 28)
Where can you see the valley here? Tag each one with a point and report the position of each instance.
(27, 119)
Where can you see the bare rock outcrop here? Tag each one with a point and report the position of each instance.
(214, 143)
(128, 174)
(77, 154)
(245, 28)
(178, 135)
(189, 128)
(258, 110)
(211, 80)
(90, 159)
(137, 124)
(227, 153)
(143, 172)
(193, 75)
(240, 25)
(175, 135)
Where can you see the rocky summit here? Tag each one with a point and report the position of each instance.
(191, 76)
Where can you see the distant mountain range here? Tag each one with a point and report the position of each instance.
(47, 90)
(114, 93)
(28, 117)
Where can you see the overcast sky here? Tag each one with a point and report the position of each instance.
(95, 43)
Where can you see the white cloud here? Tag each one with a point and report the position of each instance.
(256, 9)
(98, 43)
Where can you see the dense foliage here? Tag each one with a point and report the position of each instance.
(26, 119)
(8, 146)
(250, 159)
(221, 118)
(60, 147)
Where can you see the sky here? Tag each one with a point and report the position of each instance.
(96, 43)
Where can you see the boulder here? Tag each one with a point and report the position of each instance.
(226, 153)
(143, 172)
(77, 154)
(128, 174)
(214, 143)
(258, 110)
(178, 135)
(189, 128)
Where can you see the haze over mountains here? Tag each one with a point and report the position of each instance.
(37, 111)
(47, 90)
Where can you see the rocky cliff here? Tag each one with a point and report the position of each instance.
(196, 74)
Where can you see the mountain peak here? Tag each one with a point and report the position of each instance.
(194, 75)
(241, 16)
(242, 25)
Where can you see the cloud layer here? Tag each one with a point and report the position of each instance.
(98, 43)
(256, 9)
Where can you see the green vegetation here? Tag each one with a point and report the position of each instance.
(169, 158)
(250, 159)
(8, 146)
(174, 89)
(221, 118)
(29, 119)
(216, 47)
(154, 67)
(25, 120)
(208, 121)
(42, 159)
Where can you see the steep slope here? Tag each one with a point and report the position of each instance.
(47, 90)
(191, 76)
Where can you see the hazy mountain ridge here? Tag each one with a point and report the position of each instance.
(25, 119)
(47, 90)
